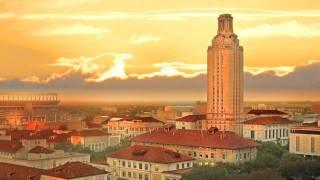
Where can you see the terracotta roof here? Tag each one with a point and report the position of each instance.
(192, 118)
(10, 146)
(135, 118)
(266, 112)
(72, 170)
(268, 120)
(316, 108)
(307, 127)
(40, 150)
(91, 124)
(16, 172)
(57, 138)
(149, 154)
(91, 132)
(183, 137)
(27, 134)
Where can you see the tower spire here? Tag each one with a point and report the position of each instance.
(225, 24)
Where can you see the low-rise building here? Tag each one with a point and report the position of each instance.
(95, 140)
(273, 128)
(132, 126)
(206, 146)
(190, 122)
(305, 140)
(70, 170)
(75, 170)
(147, 163)
(17, 172)
(13, 152)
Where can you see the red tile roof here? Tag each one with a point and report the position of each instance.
(266, 112)
(10, 146)
(91, 132)
(40, 150)
(192, 118)
(149, 154)
(58, 138)
(91, 124)
(72, 170)
(268, 120)
(16, 172)
(183, 137)
(135, 118)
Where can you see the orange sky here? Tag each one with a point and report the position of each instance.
(43, 40)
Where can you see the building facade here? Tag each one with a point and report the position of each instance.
(206, 146)
(190, 122)
(268, 129)
(95, 140)
(147, 163)
(305, 140)
(19, 109)
(225, 79)
(40, 157)
(132, 126)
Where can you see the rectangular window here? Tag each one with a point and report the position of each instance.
(183, 166)
(124, 174)
(134, 165)
(129, 174)
(146, 177)
(178, 166)
(194, 154)
(266, 134)
(223, 156)
(270, 134)
(297, 143)
(212, 155)
(312, 144)
(123, 164)
(252, 134)
(188, 165)
(146, 166)
(140, 165)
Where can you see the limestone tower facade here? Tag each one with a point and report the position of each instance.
(225, 79)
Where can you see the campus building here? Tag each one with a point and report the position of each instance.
(132, 126)
(305, 140)
(148, 163)
(268, 129)
(19, 109)
(225, 79)
(206, 146)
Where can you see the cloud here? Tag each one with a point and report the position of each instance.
(70, 30)
(303, 83)
(289, 29)
(172, 69)
(88, 67)
(116, 71)
(7, 15)
(175, 14)
(140, 39)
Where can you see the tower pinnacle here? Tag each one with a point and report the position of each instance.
(225, 24)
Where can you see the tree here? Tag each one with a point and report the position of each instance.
(206, 173)
(304, 169)
(266, 161)
(266, 174)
